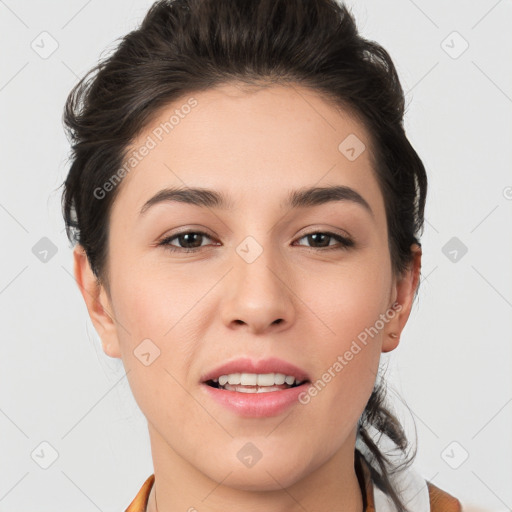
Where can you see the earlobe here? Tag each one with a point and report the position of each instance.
(404, 291)
(97, 302)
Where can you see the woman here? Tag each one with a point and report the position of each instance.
(247, 211)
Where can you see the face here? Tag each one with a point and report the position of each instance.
(195, 285)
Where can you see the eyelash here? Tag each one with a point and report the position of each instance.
(346, 243)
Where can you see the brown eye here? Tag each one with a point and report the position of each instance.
(322, 239)
(189, 241)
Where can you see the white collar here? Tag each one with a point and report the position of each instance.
(412, 488)
(410, 485)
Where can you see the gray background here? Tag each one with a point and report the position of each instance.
(453, 366)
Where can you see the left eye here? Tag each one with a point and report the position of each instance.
(320, 237)
(190, 241)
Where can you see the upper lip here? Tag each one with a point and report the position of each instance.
(247, 365)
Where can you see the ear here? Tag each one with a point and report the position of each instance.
(403, 292)
(97, 301)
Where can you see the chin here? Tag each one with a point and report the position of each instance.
(269, 477)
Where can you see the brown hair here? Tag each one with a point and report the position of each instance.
(183, 46)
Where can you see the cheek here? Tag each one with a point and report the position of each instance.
(348, 304)
(153, 302)
(156, 340)
(161, 323)
(347, 299)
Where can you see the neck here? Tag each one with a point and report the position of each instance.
(179, 485)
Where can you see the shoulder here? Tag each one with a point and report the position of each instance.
(419, 495)
(441, 501)
(140, 501)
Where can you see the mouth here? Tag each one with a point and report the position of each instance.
(244, 375)
(255, 395)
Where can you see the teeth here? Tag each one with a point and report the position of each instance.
(253, 379)
(266, 379)
(248, 379)
(234, 378)
(252, 389)
(279, 378)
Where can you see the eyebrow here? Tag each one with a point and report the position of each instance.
(301, 198)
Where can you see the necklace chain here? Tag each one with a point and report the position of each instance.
(156, 505)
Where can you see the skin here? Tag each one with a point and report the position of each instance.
(204, 308)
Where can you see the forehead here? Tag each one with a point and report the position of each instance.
(252, 144)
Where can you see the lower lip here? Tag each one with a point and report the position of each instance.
(256, 405)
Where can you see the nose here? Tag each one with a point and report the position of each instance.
(258, 296)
